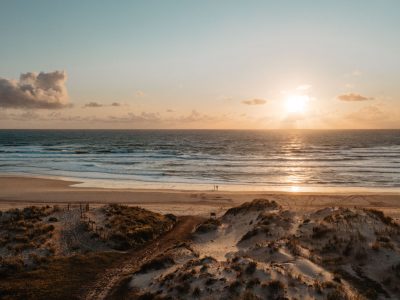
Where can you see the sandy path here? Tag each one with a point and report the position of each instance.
(73, 235)
(111, 277)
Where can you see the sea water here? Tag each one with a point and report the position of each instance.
(199, 159)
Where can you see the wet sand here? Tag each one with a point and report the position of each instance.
(18, 191)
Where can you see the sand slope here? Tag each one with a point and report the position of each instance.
(261, 250)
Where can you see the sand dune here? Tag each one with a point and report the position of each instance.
(263, 251)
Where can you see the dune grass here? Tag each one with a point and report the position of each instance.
(131, 227)
(60, 278)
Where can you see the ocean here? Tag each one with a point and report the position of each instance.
(292, 160)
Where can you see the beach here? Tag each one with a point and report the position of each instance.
(21, 191)
(132, 242)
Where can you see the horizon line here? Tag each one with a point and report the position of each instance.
(204, 129)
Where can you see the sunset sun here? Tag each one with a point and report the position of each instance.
(296, 104)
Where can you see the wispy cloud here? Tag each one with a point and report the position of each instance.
(254, 101)
(195, 116)
(140, 94)
(35, 90)
(354, 97)
(93, 104)
(144, 117)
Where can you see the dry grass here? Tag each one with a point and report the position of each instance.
(251, 268)
(276, 287)
(131, 227)
(23, 231)
(208, 225)
(255, 205)
(157, 263)
(379, 215)
(320, 231)
(61, 278)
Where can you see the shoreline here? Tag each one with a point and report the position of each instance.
(123, 184)
(19, 191)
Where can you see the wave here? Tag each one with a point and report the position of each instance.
(355, 158)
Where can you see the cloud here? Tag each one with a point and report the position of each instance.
(195, 116)
(32, 90)
(93, 104)
(353, 97)
(115, 104)
(25, 116)
(140, 94)
(254, 102)
(155, 118)
(144, 117)
(170, 110)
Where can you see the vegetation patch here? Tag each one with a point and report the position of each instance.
(24, 232)
(208, 226)
(379, 215)
(60, 278)
(157, 263)
(255, 205)
(131, 227)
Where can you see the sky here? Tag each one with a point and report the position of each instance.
(200, 64)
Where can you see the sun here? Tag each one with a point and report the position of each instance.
(296, 104)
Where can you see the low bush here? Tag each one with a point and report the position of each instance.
(276, 287)
(320, 231)
(131, 227)
(377, 214)
(209, 225)
(251, 268)
(255, 205)
(157, 263)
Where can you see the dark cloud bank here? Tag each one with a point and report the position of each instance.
(35, 90)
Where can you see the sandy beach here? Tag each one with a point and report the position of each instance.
(18, 191)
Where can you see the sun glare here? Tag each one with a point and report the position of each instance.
(297, 104)
(294, 188)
